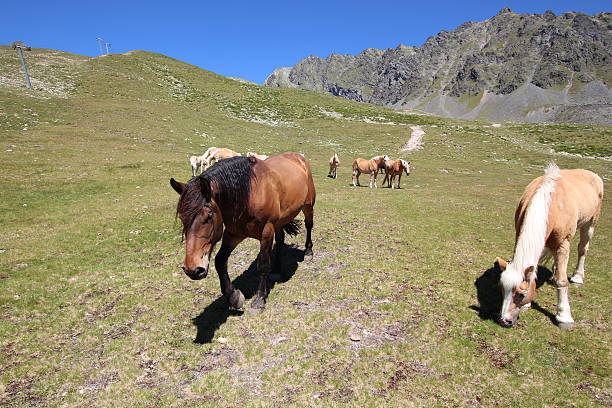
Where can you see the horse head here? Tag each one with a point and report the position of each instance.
(380, 160)
(406, 165)
(202, 224)
(518, 289)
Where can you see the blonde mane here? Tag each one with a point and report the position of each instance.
(532, 238)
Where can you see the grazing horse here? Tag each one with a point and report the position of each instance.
(216, 154)
(395, 168)
(259, 156)
(550, 210)
(197, 163)
(370, 167)
(334, 162)
(238, 198)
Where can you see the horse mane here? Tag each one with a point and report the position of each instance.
(230, 185)
(531, 239)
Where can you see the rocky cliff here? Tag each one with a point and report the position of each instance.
(513, 67)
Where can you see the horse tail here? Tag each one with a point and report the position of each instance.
(292, 228)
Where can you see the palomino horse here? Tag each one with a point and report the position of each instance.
(334, 162)
(259, 156)
(552, 207)
(370, 167)
(216, 154)
(238, 198)
(395, 168)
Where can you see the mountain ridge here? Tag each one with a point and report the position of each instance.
(510, 67)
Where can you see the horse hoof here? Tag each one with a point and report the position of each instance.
(566, 325)
(576, 281)
(236, 299)
(258, 305)
(308, 255)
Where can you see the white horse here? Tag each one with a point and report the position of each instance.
(196, 163)
(550, 211)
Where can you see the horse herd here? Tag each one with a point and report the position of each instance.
(259, 197)
(381, 163)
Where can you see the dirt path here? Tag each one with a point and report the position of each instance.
(415, 141)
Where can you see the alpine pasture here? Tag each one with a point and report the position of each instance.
(396, 308)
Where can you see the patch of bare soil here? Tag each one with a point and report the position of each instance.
(416, 139)
(407, 371)
(18, 393)
(602, 396)
(497, 356)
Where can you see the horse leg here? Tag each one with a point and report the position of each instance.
(355, 177)
(234, 296)
(280, 243)
(263, 266)
(564, 314)
(308, 222)
(586, 233)
(399, 178)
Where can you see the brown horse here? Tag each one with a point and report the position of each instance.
(238, 198)
(334, 162)
(370, 167)
(395, 168)
(550, 211)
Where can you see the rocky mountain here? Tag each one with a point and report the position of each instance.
(511, 67)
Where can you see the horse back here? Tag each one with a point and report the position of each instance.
(284, 182)
(578, 195)
(365, 166)
(575, 201)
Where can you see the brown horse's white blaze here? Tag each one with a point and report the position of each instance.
(371, 167)
(334, 162)
(395, 168)
(244, 198)
(550, 211)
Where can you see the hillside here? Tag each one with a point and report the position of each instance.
(511, 67)
(392, 311)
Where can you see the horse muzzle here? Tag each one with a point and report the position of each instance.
(197, 273)
(505, 322)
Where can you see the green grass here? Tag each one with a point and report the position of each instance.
(95, 311)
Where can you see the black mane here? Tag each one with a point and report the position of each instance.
(230, 183)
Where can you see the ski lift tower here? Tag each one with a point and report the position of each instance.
(100, 40)
(20, 46)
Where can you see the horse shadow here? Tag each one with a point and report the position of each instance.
(490, 298)
(217, 313)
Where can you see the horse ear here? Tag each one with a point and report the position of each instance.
(177, 186)
(502, 263)
(206, 191)
(529, 273)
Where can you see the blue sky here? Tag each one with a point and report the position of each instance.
(249, 39)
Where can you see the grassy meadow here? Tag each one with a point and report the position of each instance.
(391, 311)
